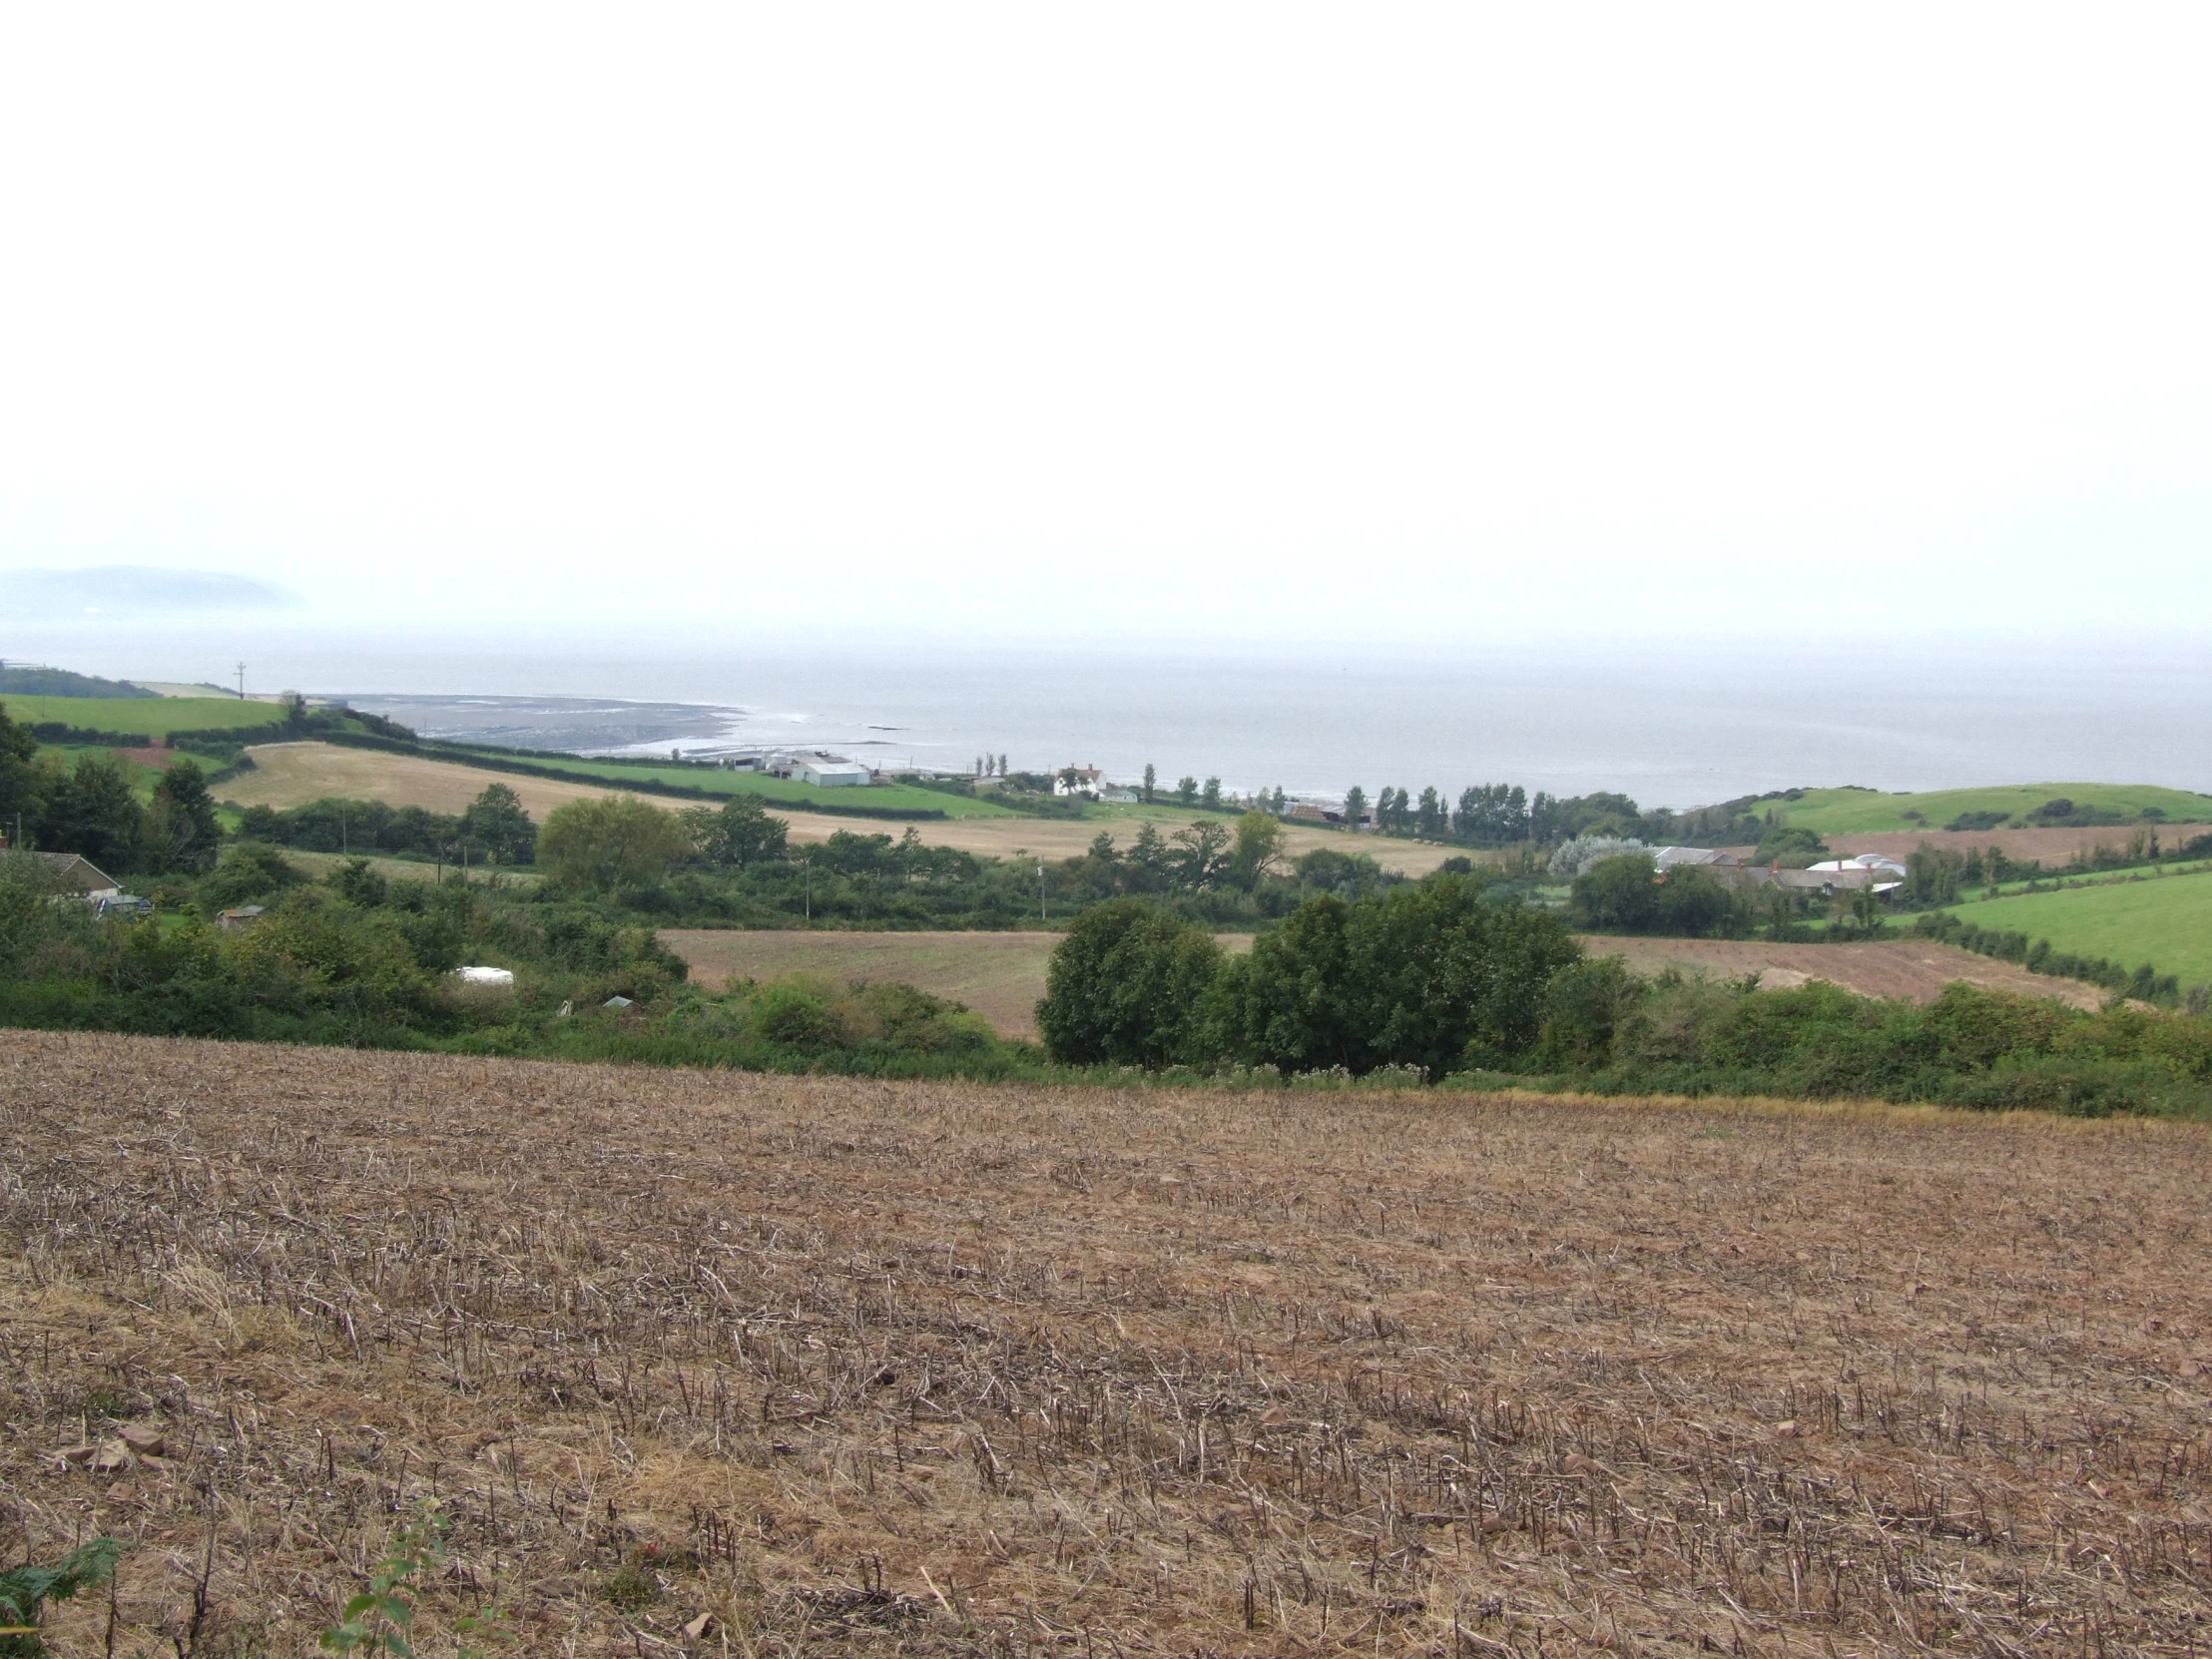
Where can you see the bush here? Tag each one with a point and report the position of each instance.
(615, 843)
(1126, 988)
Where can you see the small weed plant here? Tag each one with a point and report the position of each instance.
(380, 1619)
(25, 1590)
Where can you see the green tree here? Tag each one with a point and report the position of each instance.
(1200, 854)
(1149, 857)
(182, 831)
(90, 809)
(612, 842)
(1430, 818)
(357, 882)
(495, 822)
(1618, 894)
(1186, 791)
(22, 781)
(1258, 849)
(1355, 805)
(742, 832)
(1426, 974)
(1127, 986)
(1151, 779)
(1209, 797)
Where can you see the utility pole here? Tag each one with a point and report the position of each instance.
(1040, 891)
(242, 682)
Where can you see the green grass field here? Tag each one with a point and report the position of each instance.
(2165, 920)
(152, 717)
(1868, 811)
(903, 798)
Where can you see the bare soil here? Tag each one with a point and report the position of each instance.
(1910, 968)
(709, 1364)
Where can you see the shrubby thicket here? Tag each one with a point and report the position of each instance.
(1440, 978)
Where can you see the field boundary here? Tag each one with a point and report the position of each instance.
(503, 762)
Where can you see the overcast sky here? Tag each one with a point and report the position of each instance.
(1360, 323)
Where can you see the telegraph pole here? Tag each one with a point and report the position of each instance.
(242, 682)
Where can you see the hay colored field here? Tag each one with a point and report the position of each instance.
(1913, 969)
(818, 1366)
(2165, 920)
(999, 975)
(1861, 811)
(781, 792)
(288, 774)
(152, 717)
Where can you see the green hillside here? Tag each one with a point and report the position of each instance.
(152, 717)
(2164, 921)
(1868, 812)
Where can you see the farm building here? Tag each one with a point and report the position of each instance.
(829, 771)
(237, 921)
(1708, 857)
(73, 870)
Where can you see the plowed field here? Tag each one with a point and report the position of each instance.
(706, 1364)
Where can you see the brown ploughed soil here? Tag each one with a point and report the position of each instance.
(703, 1364)
(1911, 969)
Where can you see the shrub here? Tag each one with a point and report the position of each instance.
(1126, 986)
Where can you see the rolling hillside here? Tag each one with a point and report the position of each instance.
(1863, 812)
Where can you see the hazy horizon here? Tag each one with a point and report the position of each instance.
(1219, 326)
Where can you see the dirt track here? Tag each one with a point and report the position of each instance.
(1909, 968)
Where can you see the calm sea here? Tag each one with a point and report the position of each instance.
(1676, 726)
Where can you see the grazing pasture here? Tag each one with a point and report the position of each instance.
(2165, 920)
(706, 1363)
(152, 716)
(1832, 813)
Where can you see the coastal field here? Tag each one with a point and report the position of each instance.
(152, 716)
(1861, 811)
(705, 1364)
(2165, 920)
(288, 774)
(782, 792)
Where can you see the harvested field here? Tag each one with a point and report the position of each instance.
(2053, 846)
(722, 1363)
(999, 975)
(290, 774)
(1915, 969)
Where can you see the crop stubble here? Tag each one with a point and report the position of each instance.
(853, 1366)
